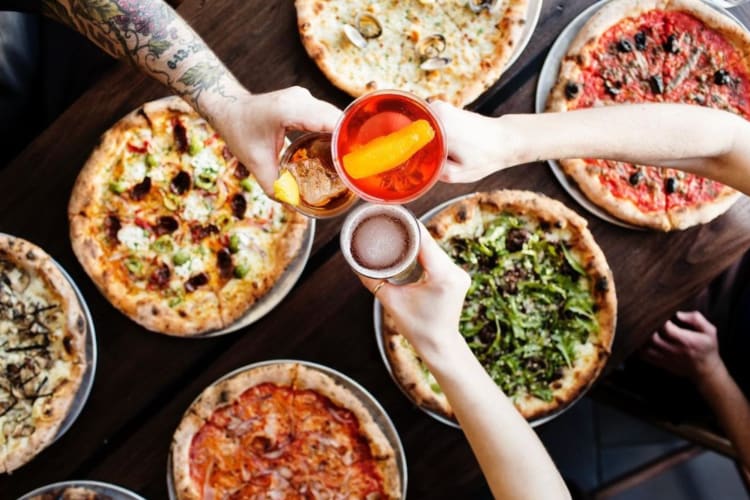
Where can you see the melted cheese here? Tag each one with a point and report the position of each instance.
(134, 237)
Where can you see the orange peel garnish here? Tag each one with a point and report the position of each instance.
(389, 151)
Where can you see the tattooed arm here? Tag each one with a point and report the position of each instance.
(153, 37)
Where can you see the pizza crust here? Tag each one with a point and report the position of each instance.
(685, 217)
(48, 412)
(466, 218)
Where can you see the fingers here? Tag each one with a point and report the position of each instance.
(657, 341)
(305, 112)
(433, 259)
(697, 321)
(652, 355)
(452, 172)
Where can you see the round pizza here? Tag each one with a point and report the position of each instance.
(444, 49)
(282, 430)
(71, 493)
(172, 228)
(42, 350)
(635, 51)
(540, 312)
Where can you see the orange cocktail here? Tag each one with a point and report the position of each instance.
(389, 147)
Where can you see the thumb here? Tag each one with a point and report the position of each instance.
(433, 259)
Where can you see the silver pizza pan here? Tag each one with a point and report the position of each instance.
(109, 491)
(91, 354)
(379, 415)
(377, 318)
(280, 289)
(87, 381)
(548, 79)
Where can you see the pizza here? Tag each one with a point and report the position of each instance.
(444, 49)
(635, 51)
(42, 350)
(540, 312)
(282, 430)
(172, 228)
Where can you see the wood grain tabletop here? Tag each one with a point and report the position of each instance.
(145, 381)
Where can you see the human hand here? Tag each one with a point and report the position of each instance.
(426, 312)
(477, 145)
(691, 351)
(254, 127)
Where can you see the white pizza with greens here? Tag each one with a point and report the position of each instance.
(540, 312)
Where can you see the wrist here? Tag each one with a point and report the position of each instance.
(218, 107)
(515, 130)
(711, 378)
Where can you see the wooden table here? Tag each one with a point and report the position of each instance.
(145, 381)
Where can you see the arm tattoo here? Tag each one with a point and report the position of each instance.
(151, 36)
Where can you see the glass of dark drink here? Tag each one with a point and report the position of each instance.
(382, 242)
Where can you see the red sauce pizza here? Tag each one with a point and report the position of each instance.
(282, 431)
(634, 51)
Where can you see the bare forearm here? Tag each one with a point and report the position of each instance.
(513, 460)
(153, 37)
(704, 141)
(732, 410)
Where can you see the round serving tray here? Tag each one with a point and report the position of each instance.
(111, 491)
(548, 79)
(279, 291)
(377, 317)
(88, 376)
(368, 400)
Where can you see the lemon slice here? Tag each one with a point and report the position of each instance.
(285, 188)
(389, 151)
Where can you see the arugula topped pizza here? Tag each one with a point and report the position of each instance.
(540, 312)
(173, 228)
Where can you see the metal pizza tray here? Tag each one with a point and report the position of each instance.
(377, 317)
(111, 491)
(548, 79)
(280, 289)
(368, 400)
(91, 354)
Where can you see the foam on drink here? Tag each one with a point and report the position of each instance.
(380, 242)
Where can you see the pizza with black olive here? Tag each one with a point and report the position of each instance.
(172, 228)
(42, 350)
(540, 312)
(635, 51)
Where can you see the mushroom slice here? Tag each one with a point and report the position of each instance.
(478, 6)
(432, 46)
(368, 26)
(434, 63)
(354, 36)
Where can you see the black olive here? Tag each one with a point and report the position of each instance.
(613, 88)
(180, 136)
(487, 335)
(624, 45)
(671, 46)
(722, 77)
(602, 284)
(199, 232)
(640, 40)
(239, 205)
(516, 239)
(241, 171)
(141, 189)
(657, 84)
(166, 225)
(160, 277)
(180, 183)
(224, 261)
(635, 178)
(670, 186)
(196, 281)
(571, 90)
(113, 226)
